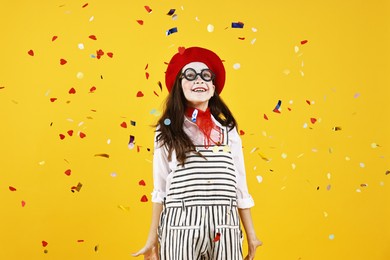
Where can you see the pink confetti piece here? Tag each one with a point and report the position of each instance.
(140, 22)
(72, 91)
(12, 188)
(140, 94)
(142, 183)
(63, 61)
(23, 203)
(31, 52)
(92, 37)
(54, 38)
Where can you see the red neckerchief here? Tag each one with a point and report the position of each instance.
(203, 120)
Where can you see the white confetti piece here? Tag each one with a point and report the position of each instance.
(347, 158)
(358, 190)
(362, 165)
(131, 146)
(325, 214)
(296, 49)
(284, 155)
(108, 141)
(314, 150)
(253, 41)
(291, 102)
(254, 150)
(302, 73)
(305, 125)
(197, 19)
(210, 28)
(80, 46)
(113, 174)
(259, 178)
(374, 145)
(299, 156)
(255, 168)
(237, 66)
(41, 163)
(254, 29)
(286, 72)
(328, 175)
(302, 64)
(331, 236)
(293, 166)
(80, 75)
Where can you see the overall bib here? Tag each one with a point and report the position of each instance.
(200, 219)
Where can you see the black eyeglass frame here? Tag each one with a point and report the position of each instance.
(183, 75)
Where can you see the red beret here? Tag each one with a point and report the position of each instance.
(196, 54)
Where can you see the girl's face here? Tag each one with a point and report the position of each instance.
(197, 84)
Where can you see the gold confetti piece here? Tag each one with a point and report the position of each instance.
(124, 208)
(387, 172)
(102, 155)
(336, 128)
(263, 157)
(254, 150)
(364, 185)
(96, 248)
(374, 145)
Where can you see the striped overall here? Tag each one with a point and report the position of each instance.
(200, 218)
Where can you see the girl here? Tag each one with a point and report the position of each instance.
(200, 193)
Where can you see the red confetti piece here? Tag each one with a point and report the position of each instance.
(147, 8)
(313, 120)
(82, 135)
(147, 75)
(144, 198)
(92, 89)
(156, 93)
(124, 125)
(72, 91)
(63, 61)
(92, 37)
(80, 241)
(68, 172)
(100, 52)
(44, 243)
(138, 148)
(140, 94)
(62, 136)
(276, 111)
(140, 22)
(23, 203)
(11, 188)
(147, 66)
(53, 99)
(241, 38)
(70, 132)
(242, 132)
(110, 54)
(85, 5)
(181, 50)
(289, 109)
(142, 183)
(31, 52)
(54, 38)
(308, 102)
(303, 42)
(265, 117)
(217, 237)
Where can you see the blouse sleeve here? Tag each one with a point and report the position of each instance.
(244, 199)
(160, 171)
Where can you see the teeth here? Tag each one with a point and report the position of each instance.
(199, 90)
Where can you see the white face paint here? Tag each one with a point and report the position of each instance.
(198, 91)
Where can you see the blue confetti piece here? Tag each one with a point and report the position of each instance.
(93, 56)
(238, 25)
(171, 31)
(277, 107)
(167, 121)
(171, 12)
(194, 115)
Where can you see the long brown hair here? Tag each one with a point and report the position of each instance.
(172, 135)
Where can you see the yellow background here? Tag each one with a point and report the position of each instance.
(324, 194)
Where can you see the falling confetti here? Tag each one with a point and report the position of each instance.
(238, 25)
(259, 179)
(63, 61)
(144, 198)
(105, 155)
(23, 203)
(331, 236)
(313, 120)
(77, 188)
(44, 243)
(217, 237)
(31, 52)
(140, 22)
(131, 142)
(171, 12)
(304, 42)
(336, 128)
(68, 172)
(210, 28)
(92, 37)
(148, 9)
(54, 38)
(140, 94)
(12, 188)
(167, 121)
(142, 183)
(277, 107)
(124, 124)
(171, 31)
(237, 66)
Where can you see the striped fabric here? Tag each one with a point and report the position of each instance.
(200, 218)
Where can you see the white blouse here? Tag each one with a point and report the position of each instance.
(163, 168)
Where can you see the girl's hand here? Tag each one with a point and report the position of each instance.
(252, 246)
(150, 252)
